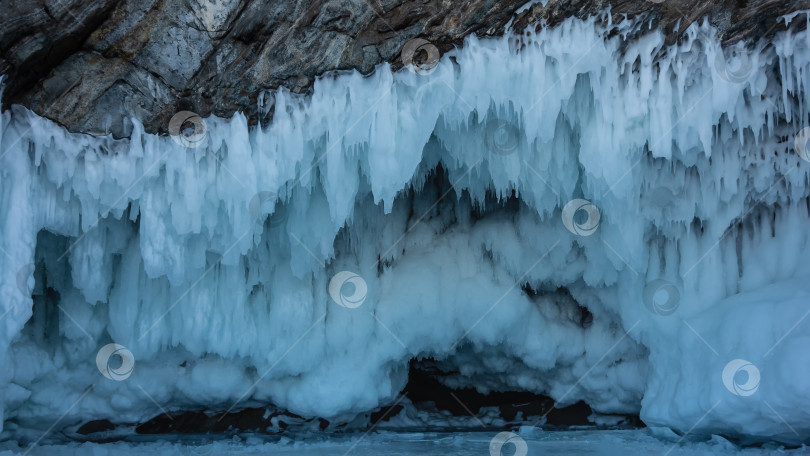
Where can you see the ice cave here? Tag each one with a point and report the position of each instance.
(585, 237)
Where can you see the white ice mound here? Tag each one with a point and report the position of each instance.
(477, 210)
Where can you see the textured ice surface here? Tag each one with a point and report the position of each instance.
(584, 443)
(212, 264)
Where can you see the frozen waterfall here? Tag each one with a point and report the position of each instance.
(563, 212)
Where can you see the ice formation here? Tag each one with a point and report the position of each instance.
(642, 442)
(483, 205)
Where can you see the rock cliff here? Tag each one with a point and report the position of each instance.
(91, 65)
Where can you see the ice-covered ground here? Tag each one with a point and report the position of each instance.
(575, 443)
(565, 212)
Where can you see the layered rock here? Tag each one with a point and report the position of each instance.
(93, 65)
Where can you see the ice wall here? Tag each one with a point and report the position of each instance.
(481, 204)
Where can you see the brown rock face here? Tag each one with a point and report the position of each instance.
(91, 65)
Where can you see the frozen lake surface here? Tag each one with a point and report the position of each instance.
(590, 442)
